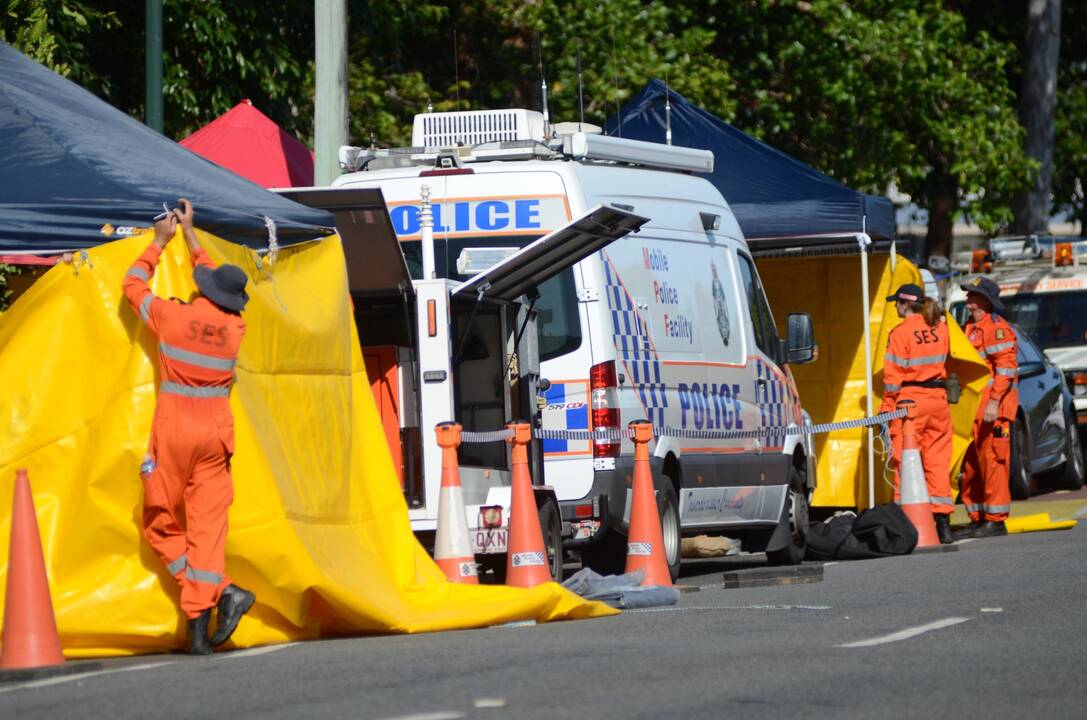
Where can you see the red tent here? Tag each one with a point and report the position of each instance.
(247, 141)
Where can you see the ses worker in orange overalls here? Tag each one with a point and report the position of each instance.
(985, 471)
(187, 488)
(914, 369)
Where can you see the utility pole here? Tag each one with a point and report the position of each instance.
(330, 106)
(152, 107)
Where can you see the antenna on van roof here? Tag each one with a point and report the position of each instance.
(615, 72)
(543, 83)
(580, 91)
(667, 112)
(456, 67)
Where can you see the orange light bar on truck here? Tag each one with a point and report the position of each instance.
(981, 262)
(431, 318)
(1062, 255)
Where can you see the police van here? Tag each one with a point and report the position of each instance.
(668, 324)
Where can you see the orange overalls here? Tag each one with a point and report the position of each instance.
(914, 369)
(985, 473)
(187, 494)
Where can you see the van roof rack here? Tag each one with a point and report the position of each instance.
(490, 135)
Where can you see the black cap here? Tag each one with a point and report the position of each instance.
(908, 293)
(224, 286)
(986, 287)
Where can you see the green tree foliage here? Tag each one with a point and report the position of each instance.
(918, 93)
(880, 91)
(58, 34)
(487, 54)
(217, 52)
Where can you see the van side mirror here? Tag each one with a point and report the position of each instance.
(800, 345)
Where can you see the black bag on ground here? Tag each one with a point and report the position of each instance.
(877, 532)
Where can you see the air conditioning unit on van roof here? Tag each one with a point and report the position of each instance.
(473, 127)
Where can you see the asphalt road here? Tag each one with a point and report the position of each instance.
(996, 630)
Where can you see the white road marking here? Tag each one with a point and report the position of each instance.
(1081, 513)
(489, 703)
(264, 650)
(440, 715)
(907, 633)
(46, 682)
(992, 610)
(727, 607)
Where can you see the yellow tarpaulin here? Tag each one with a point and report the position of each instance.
(833, 388)
(319, 527)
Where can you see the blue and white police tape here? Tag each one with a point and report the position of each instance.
(773, 432)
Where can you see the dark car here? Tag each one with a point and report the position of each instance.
(1045, 437)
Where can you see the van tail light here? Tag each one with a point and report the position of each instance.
(604, 407)
(981, 262)
(1078, 381)
(1062, 255)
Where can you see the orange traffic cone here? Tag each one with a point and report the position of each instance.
(645, 541)
(912, 491)
(30, 638)
(526, 557)
(452, 550)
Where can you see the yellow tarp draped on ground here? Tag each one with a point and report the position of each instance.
(833, 387)
(319, 527)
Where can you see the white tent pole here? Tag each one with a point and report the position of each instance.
(864, 241)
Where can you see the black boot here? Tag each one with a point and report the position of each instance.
(943, 529)
(198, 634)
(991, 528)
(233, 603)
(968, 531)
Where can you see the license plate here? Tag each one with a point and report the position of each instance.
(487, 542)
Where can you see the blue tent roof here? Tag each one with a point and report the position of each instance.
(774, 196)
(73, 165)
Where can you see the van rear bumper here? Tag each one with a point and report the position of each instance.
(608, 495)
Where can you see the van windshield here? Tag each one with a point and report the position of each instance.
(556, 310)
(1052, 319)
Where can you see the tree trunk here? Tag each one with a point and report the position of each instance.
(941, 219)
(1037, 110)
(942, 196)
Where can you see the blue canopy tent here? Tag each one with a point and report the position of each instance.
(777, 199)
(784, 207)
(77, 172)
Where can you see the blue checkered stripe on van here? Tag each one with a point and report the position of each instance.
(772, 402)
(634, 348)
(571, 419)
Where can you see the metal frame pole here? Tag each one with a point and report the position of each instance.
(152, 107)
(865, 241)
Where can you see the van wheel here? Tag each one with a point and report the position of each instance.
(551, 525)
(668, 507)
(795, 514)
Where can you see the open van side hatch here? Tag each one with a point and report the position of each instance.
(552, 254)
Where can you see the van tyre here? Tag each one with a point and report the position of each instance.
(551, 525)
(668, 508)
(1020, 481)
(795, 515)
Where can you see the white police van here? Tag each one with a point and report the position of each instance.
(670, 324)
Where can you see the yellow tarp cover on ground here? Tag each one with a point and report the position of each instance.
(833, 388)
(319, 527)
